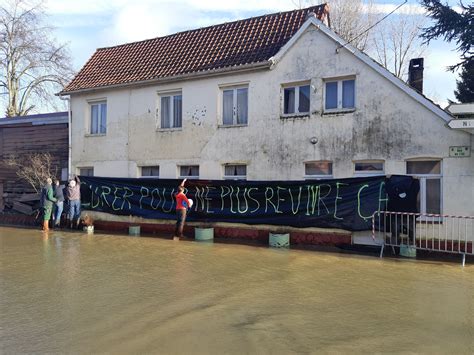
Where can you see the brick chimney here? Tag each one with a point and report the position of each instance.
(415, 74)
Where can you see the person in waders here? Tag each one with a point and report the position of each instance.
(47, 203)
(182, 204)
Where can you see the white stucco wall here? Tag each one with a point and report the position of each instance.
(387, 125)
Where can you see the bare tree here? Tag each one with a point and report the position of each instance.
(32, 64)
(392, 42)
(33, 168)
(349, 18)
(397, 40)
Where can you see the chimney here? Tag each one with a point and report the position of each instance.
(415, 74)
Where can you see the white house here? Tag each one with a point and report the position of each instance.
(275, 97)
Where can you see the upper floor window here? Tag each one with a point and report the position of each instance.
(429, 174)
(368, 168)
(235, 172)
(189, 171)
(235, 106)
(318, 170)
(296, 100)
(98, 124)
(150, 171)
(86, 171)
(171, 110)
(339, 95)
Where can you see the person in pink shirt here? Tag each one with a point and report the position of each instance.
(182, 205)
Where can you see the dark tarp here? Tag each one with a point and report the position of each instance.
(336, 203)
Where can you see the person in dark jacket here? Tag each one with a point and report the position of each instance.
(59, 205)
(73, 194)
(47, 201)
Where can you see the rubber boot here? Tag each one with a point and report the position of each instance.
(46, 226)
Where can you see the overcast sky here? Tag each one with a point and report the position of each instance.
(89, 24)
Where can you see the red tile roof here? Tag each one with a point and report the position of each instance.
(221, 46)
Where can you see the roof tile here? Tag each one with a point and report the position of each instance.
(220, 46)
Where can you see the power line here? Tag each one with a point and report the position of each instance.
(375, 24)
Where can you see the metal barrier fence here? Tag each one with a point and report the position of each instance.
(420, 231)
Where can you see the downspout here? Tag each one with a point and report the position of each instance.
(69, 128)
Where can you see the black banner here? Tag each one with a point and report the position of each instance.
(336, 203)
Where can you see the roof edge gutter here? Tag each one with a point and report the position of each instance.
(171, 79)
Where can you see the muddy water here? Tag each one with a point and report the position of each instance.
(73, 293)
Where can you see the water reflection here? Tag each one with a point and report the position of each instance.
(79, 293)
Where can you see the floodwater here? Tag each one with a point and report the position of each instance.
(78, 293)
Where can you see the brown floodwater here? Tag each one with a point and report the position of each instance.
(79, 293)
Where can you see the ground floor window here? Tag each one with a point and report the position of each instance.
(318, 170)
(235, 172)
(368, 168)
(89, 171)
(429, 174)
(189, 171)
(150, 171)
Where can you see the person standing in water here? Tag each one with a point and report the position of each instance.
(182, 204)
(58, 207)
(47, 201)
(73, 194)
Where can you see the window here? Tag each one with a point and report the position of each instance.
(339, 95)
(235, 172)
(189, 171)
(368, 168)
(318, 170)
(86, 171)
(296, 100)
(64, 174)
(98, 117)
(235, 106)
(171, 110)
(429, 174)
(153, 171)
